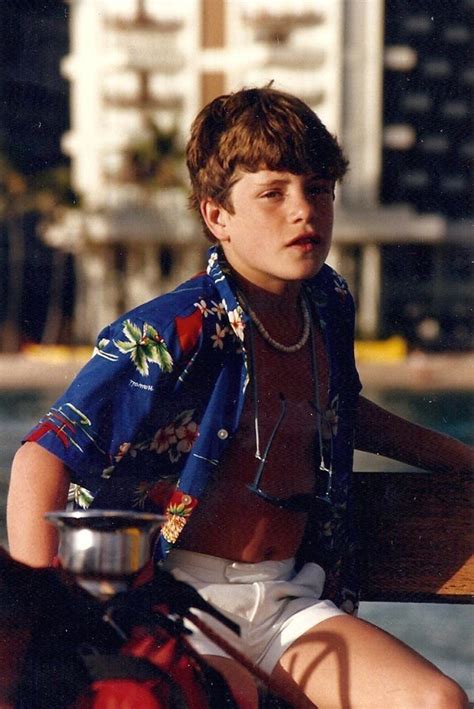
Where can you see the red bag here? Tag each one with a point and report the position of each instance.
(181, 679)
(67, 656)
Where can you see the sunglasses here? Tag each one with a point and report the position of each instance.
(300, 502)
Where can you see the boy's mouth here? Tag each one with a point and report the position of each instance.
(306, 240)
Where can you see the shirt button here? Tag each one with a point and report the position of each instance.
(222, 434)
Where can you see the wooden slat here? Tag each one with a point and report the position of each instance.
(418, 536)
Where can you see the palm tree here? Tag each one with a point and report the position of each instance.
(32, 276)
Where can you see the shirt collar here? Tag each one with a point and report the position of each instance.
(218, 270)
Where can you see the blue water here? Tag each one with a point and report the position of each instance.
(442, 633)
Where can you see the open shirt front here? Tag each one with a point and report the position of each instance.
(148, 418)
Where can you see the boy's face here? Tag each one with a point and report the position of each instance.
(281, 228)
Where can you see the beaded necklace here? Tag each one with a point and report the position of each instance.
(266, 335)
(316, 403)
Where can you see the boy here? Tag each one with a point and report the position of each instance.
(233, 404)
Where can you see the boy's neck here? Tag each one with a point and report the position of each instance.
(263, 300)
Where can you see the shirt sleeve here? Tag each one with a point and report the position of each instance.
(91, 425)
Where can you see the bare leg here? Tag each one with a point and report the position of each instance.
(243, 685)
(240, 681)
(347, 662)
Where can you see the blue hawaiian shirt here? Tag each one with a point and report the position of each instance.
(148, 418)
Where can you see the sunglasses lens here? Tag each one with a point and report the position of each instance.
(303, 502)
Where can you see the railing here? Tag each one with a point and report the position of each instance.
(418, 536)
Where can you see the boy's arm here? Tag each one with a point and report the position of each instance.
(379, 431)
(39, 483)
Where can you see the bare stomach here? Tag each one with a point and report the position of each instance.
(234, 523)
(245, 532)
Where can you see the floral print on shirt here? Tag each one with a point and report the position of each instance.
(179, 509)
(140, 425)
(177, 438)
(144, 345)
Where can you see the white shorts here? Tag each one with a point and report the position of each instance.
(272, 604)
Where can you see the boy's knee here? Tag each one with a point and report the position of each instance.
(444, 693)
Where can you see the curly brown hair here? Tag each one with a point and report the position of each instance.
(253, 129)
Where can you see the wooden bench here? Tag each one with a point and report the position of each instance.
(418, 536)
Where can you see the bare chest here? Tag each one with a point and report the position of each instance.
(217, 524)
(292, 382)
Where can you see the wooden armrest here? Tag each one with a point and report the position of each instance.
(418, 536)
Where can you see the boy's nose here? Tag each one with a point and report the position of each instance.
(302, 208)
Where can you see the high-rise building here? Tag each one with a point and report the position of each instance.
(404, 233)
(427, 153)
(428, 142)
(138, 66)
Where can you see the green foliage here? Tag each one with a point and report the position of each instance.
(41, 192)
(56, 182)
(155, 160)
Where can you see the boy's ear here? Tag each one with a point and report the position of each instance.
(215, 218)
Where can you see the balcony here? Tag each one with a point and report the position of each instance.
(291, 57)
(150, 103)
(142, 49)
(276, 24)
(161, 26)
(129, 217)
(145, 22)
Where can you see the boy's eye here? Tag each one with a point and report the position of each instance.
(271, 194)
(316, 190)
